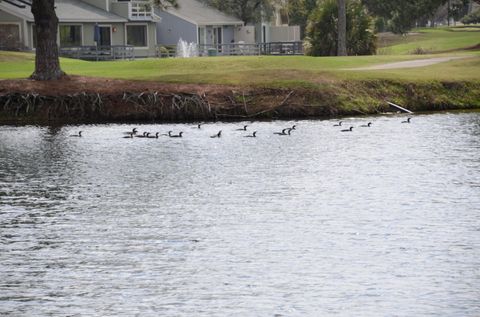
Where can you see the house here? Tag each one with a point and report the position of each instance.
(196, 22)
(84, 23)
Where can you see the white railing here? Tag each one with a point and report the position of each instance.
(141, 10)
(238, 49)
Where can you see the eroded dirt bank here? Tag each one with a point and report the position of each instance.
(85, 100)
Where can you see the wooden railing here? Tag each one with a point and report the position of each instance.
(233, 49)
(282, 48)
(99, 53)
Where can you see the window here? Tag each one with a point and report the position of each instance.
(137, 35)
(10, 36)
(70, 35)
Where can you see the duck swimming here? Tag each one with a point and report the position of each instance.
(129, 136)
(285, 131)
(254, 135)
(79, 135)
(144, 135)
(338, 124)
(348, 130)
(175, 135)
(218, 135)
(134, 131)
(408, 120)
(243, 129)
(154, 136)
(366, 125)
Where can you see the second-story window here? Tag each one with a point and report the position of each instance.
(70, 35)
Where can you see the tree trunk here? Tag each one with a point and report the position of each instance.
(342, 29)
(448, 12)
(47, 64)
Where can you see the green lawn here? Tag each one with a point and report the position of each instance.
(264, 70)
(281, 71)
(429, 40)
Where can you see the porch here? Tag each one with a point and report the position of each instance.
(99, 53)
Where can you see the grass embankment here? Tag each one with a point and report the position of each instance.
(430, 40)
(324, 82)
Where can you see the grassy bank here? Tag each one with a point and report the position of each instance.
(74, 101)
(429, 40)
(286, 71)
(257, 70)
(280, 86)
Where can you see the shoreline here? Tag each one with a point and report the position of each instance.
(78, 100)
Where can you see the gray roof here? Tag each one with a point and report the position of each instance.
(201, 14)
(67, 11)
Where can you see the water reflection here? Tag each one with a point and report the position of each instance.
(381, 221)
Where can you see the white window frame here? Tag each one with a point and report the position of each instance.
(111, 32)
(148, 35)
(69, 24)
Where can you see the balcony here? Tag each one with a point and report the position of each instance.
(141, 10)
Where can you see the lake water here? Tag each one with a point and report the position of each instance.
(383, 221)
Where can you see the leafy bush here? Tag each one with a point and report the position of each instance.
(380, 25)
(420, 51)
(472, 18)
(322, 32)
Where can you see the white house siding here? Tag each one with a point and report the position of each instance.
(228, 34)
(120, 9)
(284, 33)
(262, 33)
(172, 28)
(102, 4)
(245, 34)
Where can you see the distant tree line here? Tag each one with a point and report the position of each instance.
(345, 27)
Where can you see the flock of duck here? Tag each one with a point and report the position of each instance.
(285, 132)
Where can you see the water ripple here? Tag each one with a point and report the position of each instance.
(383, 221)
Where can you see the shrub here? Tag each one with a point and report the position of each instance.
(322, 30)
(471, 18)
(420, 51)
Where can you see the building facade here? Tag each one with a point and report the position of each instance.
(84, 23)
(195, 22)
